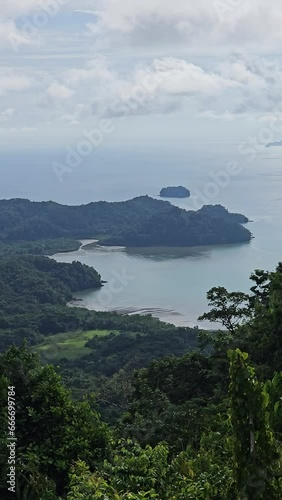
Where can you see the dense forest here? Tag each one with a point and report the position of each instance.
(38, 247)
(112, 406)
(34, 294)
(142, 221)
(142, 409)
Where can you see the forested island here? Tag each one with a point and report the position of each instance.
(175, 192)
(142, 221)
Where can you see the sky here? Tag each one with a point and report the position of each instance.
(139, 71)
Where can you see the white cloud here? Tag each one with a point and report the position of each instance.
(166, 85)
(16, 130)
(10, 81)
(92, 12)
(79, 112)
(59, 91)
(7, 113)
(11, 37)
(53, 82)
(163, 86)
(16, 8)
(203, 24)
(94, 70)
(226, 115)
(179, 77)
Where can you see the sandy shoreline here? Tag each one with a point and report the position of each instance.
(85, 243)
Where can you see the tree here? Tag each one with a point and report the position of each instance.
(254, 448)
(261, 287)
(52, 430)
(273, 389)
(228, 308)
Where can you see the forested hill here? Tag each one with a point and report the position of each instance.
(34, 293)
(202, 425)
(141, 221)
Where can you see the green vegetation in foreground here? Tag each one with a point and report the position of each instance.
(69, 345)
(176, 414)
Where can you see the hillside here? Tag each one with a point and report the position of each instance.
(174, 415)
(141, 221)
(34, 293)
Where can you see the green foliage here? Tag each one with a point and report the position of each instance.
(69, 345)
(254, 321)
(255, 451)
(171, 437)
(142, 221)
(52, 430)
(111, 353)
(87, 486)
(174, 401)
(262, 335)
(221, 212)
(145, 473)
(34, 293)
(134, 468)
(273, 389)
(228, 308)
(40, 247)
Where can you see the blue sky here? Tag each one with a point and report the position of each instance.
(158, 70)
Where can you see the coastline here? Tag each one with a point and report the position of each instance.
(86, 243)
(169, 263)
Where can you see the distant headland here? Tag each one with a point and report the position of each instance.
(273, 144)
(222, 212)
(175, 192)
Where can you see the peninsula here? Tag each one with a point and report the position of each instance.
(142, 221)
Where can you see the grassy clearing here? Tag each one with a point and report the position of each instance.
(70, 345)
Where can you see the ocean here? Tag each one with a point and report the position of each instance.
(169, 283)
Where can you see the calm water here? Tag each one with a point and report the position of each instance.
(172, 283)
(169, 283)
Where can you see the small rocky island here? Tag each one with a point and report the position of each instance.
(175, 192)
